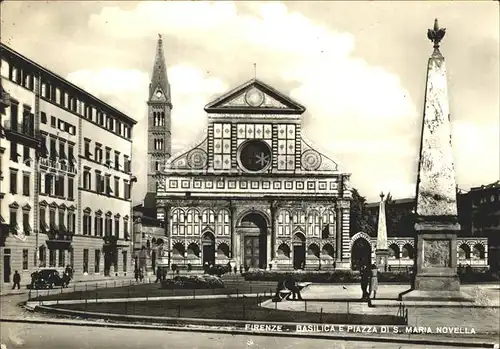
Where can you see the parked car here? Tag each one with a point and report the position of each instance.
(48, 278)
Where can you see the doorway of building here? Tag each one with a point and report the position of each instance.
(299, 251)
(208, 251)
(361, 253)
(253, 228)
(6, 267)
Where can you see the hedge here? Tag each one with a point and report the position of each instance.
(346, 276)
(193, 282)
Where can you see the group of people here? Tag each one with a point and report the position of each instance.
(161, 274)
(369, 281)
(288, 283)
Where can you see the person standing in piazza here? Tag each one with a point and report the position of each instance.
(373, 281)
(365, 280)
(17, 280)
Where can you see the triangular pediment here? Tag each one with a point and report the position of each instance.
(254, 97)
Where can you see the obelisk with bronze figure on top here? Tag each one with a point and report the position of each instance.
(436, 207)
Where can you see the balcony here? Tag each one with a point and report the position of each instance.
(112, 243)
(59, 239)
(4, 99)
(57, 165)
(4, 231)
(21, 132)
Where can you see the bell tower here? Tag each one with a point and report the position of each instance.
(159, 124)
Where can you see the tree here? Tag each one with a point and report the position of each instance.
(359, 218)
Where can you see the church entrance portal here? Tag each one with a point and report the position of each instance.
(360, 254)
(299, 251)
(208, 243)
(253, 230)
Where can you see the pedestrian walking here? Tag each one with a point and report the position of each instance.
(164, 274)
(33, 279)
(158, 275)
(373, 281)
(17, 280)
(136, 275)
(291, 284)
(365, 280)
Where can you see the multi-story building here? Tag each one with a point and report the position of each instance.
(485, 218)
(69, 165)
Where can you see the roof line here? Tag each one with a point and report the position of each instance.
(279, 94)
(71, 85)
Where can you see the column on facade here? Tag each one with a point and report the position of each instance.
(168, 230)
(344, 209)
(274, 210)
(233, 232)
(338, 233)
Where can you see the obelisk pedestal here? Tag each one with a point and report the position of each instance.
(382, 251)
(437, 224)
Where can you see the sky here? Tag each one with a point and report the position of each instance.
(359, 68)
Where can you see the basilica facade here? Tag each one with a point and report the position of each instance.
(254, 191)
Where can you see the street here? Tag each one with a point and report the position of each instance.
(40, 336)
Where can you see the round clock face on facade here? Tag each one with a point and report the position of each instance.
(158, 94)
(254, 97)
(255, 156)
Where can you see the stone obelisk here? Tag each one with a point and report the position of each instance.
(436, 212)
(381, 252)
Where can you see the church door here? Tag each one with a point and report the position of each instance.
(208, 252)
(252, 251)
(360, 254)
(299, 256)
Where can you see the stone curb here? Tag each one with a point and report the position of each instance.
(235, 331)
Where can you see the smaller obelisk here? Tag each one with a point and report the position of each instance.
(436, 214)
(381, 252)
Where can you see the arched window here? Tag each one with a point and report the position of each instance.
(463, 252)
(223, 222)
(283, 225)
(313, 224)
(328, 224)
(299, 217)
(208, 217)
(283, 251)
(393, 251)
(179, 218)
(477, 252)
(313, 251)
(328, 251)
(407, 252)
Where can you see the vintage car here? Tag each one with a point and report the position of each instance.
(48, 278)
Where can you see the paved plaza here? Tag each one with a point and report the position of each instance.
(341, 299)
